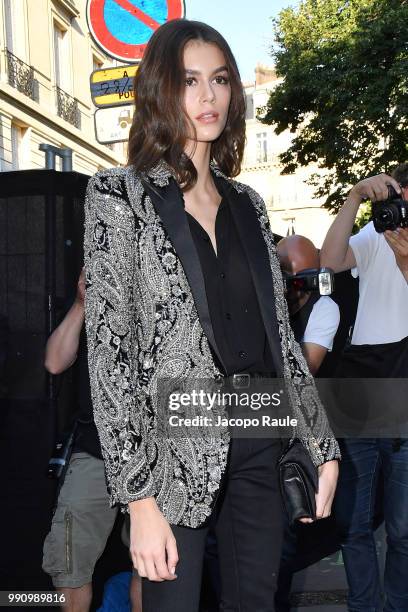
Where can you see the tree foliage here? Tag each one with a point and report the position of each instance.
(344, 92)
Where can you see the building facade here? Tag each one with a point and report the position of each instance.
(45, 65)
(289, 200)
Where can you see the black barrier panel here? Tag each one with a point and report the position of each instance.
(41, 236)
(41, 229)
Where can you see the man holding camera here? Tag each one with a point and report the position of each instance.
(314, 317)
(379, 349)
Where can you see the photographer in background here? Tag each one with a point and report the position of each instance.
(83, 519)
(314, 318)
(379, 349)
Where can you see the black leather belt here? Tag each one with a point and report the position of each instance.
(242, 380)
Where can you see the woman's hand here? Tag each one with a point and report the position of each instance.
(328, 474)
(151, 539)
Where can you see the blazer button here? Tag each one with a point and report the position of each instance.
(228, 315)
(242, 354)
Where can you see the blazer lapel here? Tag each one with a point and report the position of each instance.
(168, 203)
(250, 233)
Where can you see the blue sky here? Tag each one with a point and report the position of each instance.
(245, 24)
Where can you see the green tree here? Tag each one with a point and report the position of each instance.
(344, 92)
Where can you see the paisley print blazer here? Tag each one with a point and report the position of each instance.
(147, 318)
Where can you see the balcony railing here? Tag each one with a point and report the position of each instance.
(21, 76)
(67, 108)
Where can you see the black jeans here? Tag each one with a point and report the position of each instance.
(249, 527)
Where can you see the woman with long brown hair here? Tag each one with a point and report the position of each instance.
(183, 283)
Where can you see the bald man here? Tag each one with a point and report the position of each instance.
(314, 318)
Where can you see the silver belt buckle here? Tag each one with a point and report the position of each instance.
(241, 381)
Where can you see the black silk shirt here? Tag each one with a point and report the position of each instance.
(234, 310)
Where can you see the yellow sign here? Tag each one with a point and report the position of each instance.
(113, 86)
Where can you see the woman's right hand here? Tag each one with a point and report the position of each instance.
(151, 539)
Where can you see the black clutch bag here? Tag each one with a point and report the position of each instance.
(298, 481)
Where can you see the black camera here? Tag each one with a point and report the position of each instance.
(391, 213)
(312, 279)
(58, 464)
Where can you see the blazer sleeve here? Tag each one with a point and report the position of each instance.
(313, 428)
(109, 260)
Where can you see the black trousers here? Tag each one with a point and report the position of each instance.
(248, 522)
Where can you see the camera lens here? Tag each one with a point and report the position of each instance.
(298, 284)
(386, 215)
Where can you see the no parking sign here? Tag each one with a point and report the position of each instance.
(122, 28)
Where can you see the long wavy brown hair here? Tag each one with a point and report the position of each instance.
(160, 123)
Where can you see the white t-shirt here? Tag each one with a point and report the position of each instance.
(382, 313)
(323, 323)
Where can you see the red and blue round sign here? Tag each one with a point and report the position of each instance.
(122, 28)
